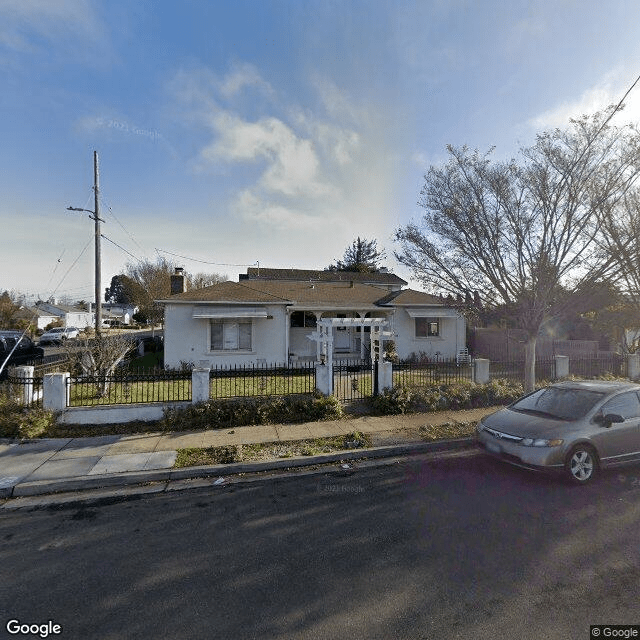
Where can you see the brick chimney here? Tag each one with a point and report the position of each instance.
(178, 281)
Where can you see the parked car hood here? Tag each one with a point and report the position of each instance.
(518, 423)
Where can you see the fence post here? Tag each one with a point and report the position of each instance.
(324, 379)
(25, 375)
(200, 385)
(385, 375)
(481, 371)
(55, 391)
(633, 366)
(561, 364)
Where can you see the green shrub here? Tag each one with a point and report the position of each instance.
(221, 414)
(434, 397)
(18, 421)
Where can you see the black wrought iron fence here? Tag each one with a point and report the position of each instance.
(514, 370)
(26, 391)
(125, 387)
(50, 364)
(602, 364)
(425, 373)
(261, 379)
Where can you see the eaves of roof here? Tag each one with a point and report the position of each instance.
(310, 295)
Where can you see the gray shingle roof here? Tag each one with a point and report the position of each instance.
(306, 294)
(229, 292)
(307, 275)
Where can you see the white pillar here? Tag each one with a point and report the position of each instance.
(200, 385)
(561, 366)
(481, 371)
(324, 379)
(55, 390)
(25, 374)
(633, 366)
(385, 375)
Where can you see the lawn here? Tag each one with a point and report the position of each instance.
(132, 390)
(225, 385)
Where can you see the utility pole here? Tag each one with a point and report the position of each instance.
(97, 219)
(98, 274)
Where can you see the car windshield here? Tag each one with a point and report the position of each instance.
(559, 403)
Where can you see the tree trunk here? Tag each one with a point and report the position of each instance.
(530, 364)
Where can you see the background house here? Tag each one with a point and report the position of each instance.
(269, 318)
(36, 317)
(119, 312)
(69, 315)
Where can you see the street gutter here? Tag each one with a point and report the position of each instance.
(162, 480)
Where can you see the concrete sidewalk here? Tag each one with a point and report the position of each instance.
(37, 467)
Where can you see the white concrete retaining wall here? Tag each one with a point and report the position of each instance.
(116, 414)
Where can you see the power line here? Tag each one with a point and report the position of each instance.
(72, 265)
(121, 248)
(58, 262)
(219, 264)
(113, 215)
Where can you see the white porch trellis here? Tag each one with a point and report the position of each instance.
(323, 336)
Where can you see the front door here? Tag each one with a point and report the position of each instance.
(342, 339)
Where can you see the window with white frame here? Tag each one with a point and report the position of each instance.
(427, 327)
(230, 335)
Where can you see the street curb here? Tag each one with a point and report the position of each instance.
(44, 487)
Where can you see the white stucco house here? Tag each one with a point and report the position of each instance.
(118, 311)
(269, 316)
(69, 315)
(36, 316)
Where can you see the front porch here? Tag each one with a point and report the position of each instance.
(351, 341)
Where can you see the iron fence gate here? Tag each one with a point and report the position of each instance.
(353, 380)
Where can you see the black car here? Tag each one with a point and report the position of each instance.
(25, 353)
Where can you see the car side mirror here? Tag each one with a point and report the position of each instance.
(611, 418)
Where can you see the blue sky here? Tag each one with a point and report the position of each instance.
(273, 132)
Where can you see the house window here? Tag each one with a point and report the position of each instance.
(230, 335)
(427, 327)
(303, 319)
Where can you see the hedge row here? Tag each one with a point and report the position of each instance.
(222, 414)
(462, 395)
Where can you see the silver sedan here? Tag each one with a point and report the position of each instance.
(575, 427)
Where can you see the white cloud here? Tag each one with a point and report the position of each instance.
(325, 172)
(607, 92)
(252, 208)
(337, 103)
(241, 76)
(337, 142)
(292, 163)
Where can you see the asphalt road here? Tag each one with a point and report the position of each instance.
(461, 547)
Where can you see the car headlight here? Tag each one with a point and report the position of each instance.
(541, 442)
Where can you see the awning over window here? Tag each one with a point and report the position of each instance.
(229, 312)
(432, 313)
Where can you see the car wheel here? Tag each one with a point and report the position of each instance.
(581, 464)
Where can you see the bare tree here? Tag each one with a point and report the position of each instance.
(622, 241)
(149, 281)
(98, 357)
(203, 279)
(154, 280)
(526, 234)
